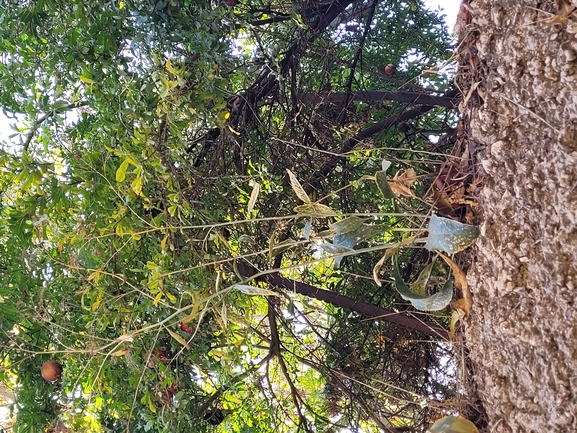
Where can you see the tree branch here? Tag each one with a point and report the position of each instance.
(348, 86)
(342, 301)
(380, 95)
(42, 118)
(376, 128)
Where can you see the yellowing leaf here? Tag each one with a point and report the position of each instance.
(121, 352)
(85, 79)
(172, 209)
(189, 318)
(163, 243)
(321, 209)
(153, 284)
(171, 68)
(253, 197)
(137, 185)
(178, 338)
(171, 297)
(455, 317)
(460, 283)
(388, 254)
(315, 209)
(121, 171)
(223, 315)
(94, 276)
(150, 403)
(96, 303)
(234, 131)
(157, 299)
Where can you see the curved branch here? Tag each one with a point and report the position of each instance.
(342, 301)
(43, 118)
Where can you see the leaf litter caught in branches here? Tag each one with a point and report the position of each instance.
(402, 182)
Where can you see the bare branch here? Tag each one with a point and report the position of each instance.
(380, 95)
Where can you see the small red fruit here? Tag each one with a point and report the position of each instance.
(51, 371)
(390, 69)
(185, 328)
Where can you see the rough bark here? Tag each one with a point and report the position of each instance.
(522, 333)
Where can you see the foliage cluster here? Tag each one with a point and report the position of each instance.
(146, 212)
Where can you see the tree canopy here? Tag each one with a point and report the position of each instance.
(199, 214)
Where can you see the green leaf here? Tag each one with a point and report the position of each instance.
(335, 248)
(453, 424)
(383, 184)
(61, 106)
(307, 229)
(362, 233)
(450, 236)
(434, 302)
(347, 225)
(254, 291)
(281, 247)
(422, 281)
(314, 209)
(298, 188)
(352, 238)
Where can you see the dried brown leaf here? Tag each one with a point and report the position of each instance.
(402, 182)
(460, 283)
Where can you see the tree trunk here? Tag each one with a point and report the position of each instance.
(522, 108)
